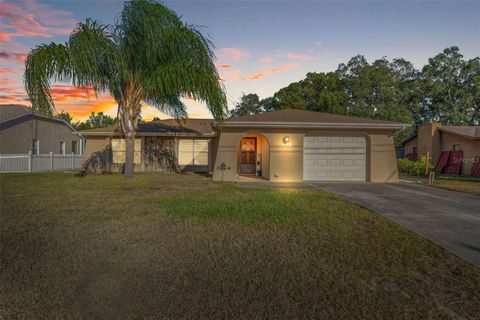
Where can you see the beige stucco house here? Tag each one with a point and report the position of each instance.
(22, 131)
(435, 138)
(286, 145)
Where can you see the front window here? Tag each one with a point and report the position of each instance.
(415, 150)
(62, 147)
(192, 152)
(119, 151)
(457, 147)
(74, 147)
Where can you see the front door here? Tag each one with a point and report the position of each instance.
(248, 155)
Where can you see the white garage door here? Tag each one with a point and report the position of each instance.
(334, 158)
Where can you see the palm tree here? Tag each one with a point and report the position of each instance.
(148, 56)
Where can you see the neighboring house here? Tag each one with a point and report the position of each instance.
(22, 130)
(286, 145)
(435, 139)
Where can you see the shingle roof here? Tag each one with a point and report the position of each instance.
(166, 127)
(471, 132)
(8, 111)
(13, 114)
(295, 115)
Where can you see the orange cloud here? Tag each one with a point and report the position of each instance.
(232, 75)
(235, 54)
(29, 18)
(265, 72)
(9, 71)
(297, 56)
(223, 66)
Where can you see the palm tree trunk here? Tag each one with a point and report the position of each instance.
(128, 123)
(129, 154)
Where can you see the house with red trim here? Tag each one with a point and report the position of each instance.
(452, 149)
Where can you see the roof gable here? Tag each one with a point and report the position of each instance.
(13, 114)
(471, 132)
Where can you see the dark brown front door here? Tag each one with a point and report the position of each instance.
(248, 155)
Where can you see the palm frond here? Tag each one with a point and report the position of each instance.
(171, 106)
(46, 62)
(94, 56)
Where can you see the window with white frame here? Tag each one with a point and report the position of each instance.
(74, 147)
(82, 146)
(192, 152)
(62, 147)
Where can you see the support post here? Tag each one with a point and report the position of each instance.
(30, 161)
(51, 161)
(426, 163)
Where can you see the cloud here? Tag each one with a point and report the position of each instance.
(266, 59)
(13, 57)
(79, 103)
(11, 95)
(9, 71)
(235, 54)
(231, 75)
(29, 18)
(265, 72)
(223, 66)
(296, 56)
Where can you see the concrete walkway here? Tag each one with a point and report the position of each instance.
(448, 218)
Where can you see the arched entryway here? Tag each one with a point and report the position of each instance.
(253, 156)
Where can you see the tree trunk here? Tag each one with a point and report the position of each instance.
(129, 154)
(128, 113)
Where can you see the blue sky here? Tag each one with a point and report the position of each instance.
(261, 46)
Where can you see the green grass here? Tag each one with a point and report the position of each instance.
(179, 247)
(454, 183)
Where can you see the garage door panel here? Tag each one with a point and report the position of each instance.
(334, 158)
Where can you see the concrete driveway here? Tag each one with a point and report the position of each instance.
(448, 218)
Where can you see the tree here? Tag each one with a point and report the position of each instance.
(317, 92)
(96, 120)
(471, 74)
(450, 89)
(249, 104)
(148, 56)
(64, 116)
(377, 90)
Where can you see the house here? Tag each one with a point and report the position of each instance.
(161, 145)
(437, 139)
(286, 145)
(22, 131)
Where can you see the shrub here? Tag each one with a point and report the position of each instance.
(414, 167)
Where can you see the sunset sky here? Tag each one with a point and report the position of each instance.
(260, 46)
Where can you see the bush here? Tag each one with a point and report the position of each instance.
(414, 167)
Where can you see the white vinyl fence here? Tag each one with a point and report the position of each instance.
(39, 162)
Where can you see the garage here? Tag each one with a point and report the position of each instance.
(334, 158)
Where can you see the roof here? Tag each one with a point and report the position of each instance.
(413, 136)
(470, 132)
(14, 114)
(167, 127)
(8, 111)
(302, 118)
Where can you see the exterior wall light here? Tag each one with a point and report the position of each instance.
(286, 141)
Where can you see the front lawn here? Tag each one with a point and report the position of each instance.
(179, 246)
(455, 183)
